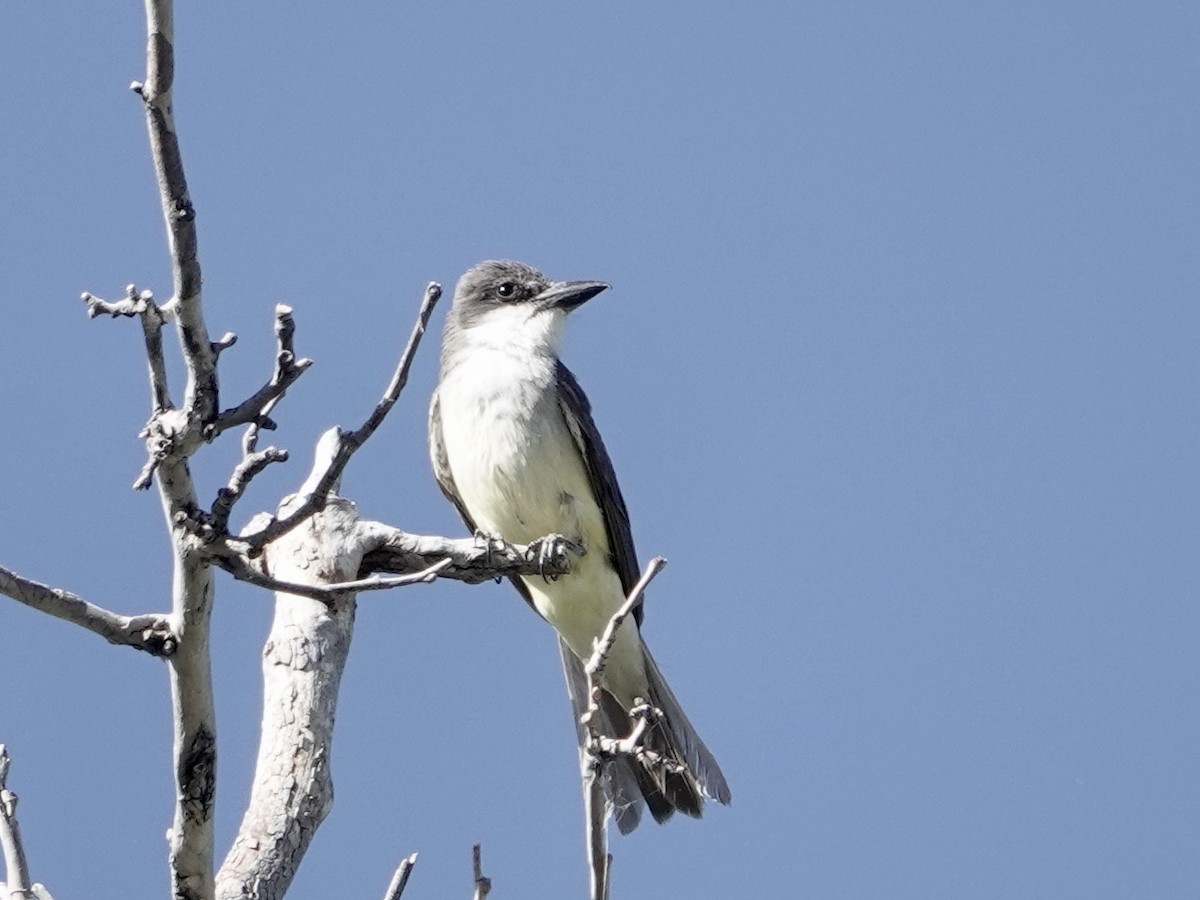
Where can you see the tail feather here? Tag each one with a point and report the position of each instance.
(628, 784)
(684, 743)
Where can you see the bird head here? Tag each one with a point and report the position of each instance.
(504, 302)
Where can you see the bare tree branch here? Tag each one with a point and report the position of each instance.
(152, 317)
(346, 443)
(242, 570)
(599, 749)
(251, 465)
(180, 216)
(227, 340)
(15, 865)
(172, 436)
(413, 558)
(133, 304)
(400, 879)
(149, 633)
(483, 884)
(433, 292)
(254, 409)
(471, 559)
(303, 661)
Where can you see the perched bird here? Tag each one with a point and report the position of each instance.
(515, 449)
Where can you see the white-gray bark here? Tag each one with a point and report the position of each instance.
(173, 436)
(303, 661)
(400, 879)
(15, 865)
(150, 632)
(18, 885)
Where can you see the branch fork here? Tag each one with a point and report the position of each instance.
(337, 447)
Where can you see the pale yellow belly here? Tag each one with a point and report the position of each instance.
(579, 606)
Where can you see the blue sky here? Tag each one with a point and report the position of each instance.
(898, 370)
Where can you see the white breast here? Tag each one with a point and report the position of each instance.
(503, 436)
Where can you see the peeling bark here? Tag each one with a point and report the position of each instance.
(303, 661)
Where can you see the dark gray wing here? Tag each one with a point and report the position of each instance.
(441, 462)
(674, 737)
(603, 480)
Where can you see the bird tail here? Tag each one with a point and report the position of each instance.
(691, 774)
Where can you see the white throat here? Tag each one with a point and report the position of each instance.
(519, 330)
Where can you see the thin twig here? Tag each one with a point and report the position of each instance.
(152, 317)
(603, 646)
(483, 884)
(227, 340)
(245, 471)
(145, 477)
(239, 568)
(598, 748)
(254, 410)
(150, 633)
(264, 423)
(10, 836)
(400, 879)
(349, 442)
(152, 322)
(133, 304)
(433, 292)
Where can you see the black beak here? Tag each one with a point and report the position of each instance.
(567, 295)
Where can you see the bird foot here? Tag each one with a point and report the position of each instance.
(642, 709)
(491, 543)
(551, 553)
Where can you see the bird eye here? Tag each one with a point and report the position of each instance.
(508, 290)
